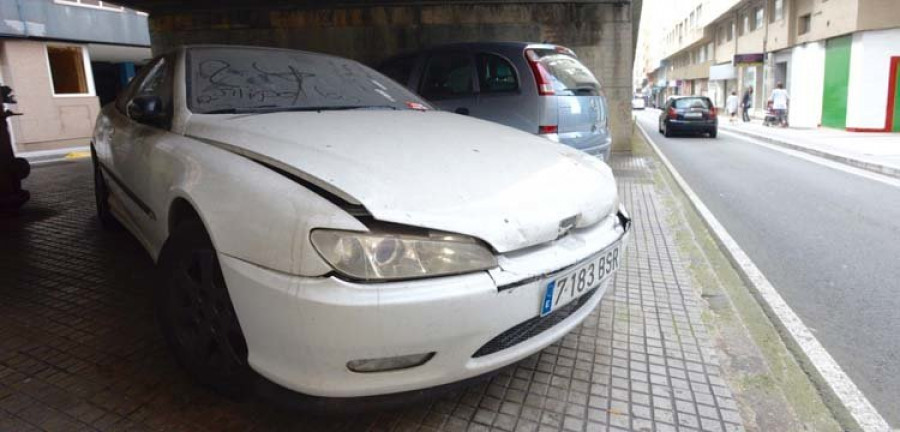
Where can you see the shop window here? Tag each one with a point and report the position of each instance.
(804, 23)
(68, 70)
(760, 18)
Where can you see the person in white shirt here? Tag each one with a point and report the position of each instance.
(731, 105)
(780, 100)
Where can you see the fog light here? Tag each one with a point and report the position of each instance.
(389, 363)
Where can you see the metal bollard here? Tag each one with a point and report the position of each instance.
(12, 169)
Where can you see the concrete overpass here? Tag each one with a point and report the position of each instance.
(601, 32)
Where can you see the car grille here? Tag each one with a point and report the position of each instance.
(533, 327)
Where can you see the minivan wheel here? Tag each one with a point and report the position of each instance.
(196, 315)
(101, 196)
(713, 133)
(667, 132)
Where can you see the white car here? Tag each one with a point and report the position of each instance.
(638, 103)
(321, 230)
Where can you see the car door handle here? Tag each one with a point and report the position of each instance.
(462, 110)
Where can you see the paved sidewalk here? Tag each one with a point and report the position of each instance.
(79, 349)
(877, 152)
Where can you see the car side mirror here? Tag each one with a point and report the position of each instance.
(146, 109)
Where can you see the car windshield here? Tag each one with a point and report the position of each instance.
(236, 80)
(687, 103)
(569, 77)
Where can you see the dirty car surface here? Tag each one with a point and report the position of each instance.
(320, 228)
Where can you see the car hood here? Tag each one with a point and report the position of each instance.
(429, 169)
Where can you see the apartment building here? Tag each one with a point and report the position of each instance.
(837, 58)
(64, 59)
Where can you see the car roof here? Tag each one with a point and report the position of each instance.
(502, 45)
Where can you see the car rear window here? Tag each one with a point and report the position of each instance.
(687, 103)
(220, 79)
(569, 77)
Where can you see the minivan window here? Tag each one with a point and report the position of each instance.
(448, 75)
(495, 74)
(687, 103)
(569, 77)
(399, 69)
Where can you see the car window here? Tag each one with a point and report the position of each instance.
(568, 76)
(448, 75)
(495, 74)
(228, 79)
(126, 94)
(687, 103)
(399, 69)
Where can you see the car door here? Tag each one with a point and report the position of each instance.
(500, 98)
(132, 147)
(448, 81)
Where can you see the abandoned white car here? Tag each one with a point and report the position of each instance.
(321, 230)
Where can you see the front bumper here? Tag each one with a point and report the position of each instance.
(301, 332)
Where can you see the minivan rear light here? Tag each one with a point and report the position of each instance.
(712, 112)
(548, 129)
(541, 76)
(672, 113)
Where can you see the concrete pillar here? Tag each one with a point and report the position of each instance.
(600, 32)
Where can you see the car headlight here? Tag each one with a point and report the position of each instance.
(378, 256)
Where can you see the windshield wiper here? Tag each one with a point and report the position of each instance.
(268, 109)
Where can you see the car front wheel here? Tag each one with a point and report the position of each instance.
(101, 196)
(196, 315)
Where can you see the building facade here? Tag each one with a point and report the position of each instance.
(64, 59)
(838, 59)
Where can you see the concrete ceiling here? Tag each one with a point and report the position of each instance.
(182, 6)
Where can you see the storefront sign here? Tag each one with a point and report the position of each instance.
(722, 72)
(748, 59)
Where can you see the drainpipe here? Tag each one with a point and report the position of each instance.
(767, 64)
(22, 18)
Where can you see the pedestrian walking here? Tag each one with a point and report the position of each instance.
(780, 100)
(747, 103)
(731, 106)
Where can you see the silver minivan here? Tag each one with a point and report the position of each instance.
(538, 88)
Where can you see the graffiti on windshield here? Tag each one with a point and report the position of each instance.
(251, 81)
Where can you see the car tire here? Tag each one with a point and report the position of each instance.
(667, 132)
(196, 316)
(101, 196)
(713, 133)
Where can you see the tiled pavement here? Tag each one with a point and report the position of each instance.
(79, 349)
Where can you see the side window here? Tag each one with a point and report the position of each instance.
(399, 69)
(128, 92)
(495, 74)
(448, 75)
(157, 82)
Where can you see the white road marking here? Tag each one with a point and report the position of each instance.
(890, 181)
(852, 399)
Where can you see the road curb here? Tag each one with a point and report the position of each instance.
(53, 156)
(856, 163)
(827, 375)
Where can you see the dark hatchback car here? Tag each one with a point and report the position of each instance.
(689, 114)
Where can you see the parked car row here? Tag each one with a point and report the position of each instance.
(321, 229)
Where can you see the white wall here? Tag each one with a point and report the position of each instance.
(807, 77)
(870, 67)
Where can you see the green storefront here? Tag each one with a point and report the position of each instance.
(837, 82)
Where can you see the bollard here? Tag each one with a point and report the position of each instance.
(12, 169)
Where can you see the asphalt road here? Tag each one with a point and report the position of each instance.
(828, 240)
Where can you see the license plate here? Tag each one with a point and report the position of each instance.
(568, 286)
(693, 115)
